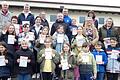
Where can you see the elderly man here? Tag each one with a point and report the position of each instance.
(5, 15)
(26, 16)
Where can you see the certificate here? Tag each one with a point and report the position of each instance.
(17, 28)
(30, 36)
(99, 58)
(23, 61)
(85, 58)
(42, 38)
(74, 31)
(64, 64)
(11, 39)
(25, 22)
(2, 61)
(114, 54)
(48, 53)
(60, 38)
(106, 42)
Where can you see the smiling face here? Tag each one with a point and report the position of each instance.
(26, 8)
(66, 48)
(5, 6)
(24, 44)
(2, 49)
(60, 17)
(109, 22)
(11, 29)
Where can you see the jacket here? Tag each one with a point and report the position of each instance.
(101, 67)
(55, 25)
(4, 19)
(104, 33)
(59, 46)
(113, 65)
(67, 20)
(86, 66)
(5, 71)
(54, 60)
(68, 74)
(30, 18)
(26, 53)
(11, 47)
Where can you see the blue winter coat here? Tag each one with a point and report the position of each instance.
(101, 67)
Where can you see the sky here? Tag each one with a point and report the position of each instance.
(93, 2)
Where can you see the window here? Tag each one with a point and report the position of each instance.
(101, 20)
(53, 18)
(81, 19)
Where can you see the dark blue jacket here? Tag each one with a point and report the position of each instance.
(5, 71)
(101, 67)
(30, 18)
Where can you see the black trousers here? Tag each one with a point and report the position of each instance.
(47, 75)
(112, 76)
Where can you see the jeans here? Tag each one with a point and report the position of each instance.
(24, 77)
(100, 76)
(47, 75)
(86, 76)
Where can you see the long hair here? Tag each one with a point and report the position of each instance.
(13, 33)
(63, 48)
(5, 46)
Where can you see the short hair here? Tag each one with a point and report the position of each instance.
(113, 38)
(14, 17)
(99, 43)
(5, 2)
(85, 44)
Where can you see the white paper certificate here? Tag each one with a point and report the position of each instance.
(42, 38)
(2, 61)
(25, 22)
(114, 54)
(30, 36)
(64, 64)
(17, 28)
(48, 53)
(85, 58)
(60, 38)
(106, 42)
(11, 39)
(23, 61)
(74, 31)
(99, 58)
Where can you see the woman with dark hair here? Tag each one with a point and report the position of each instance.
(93, 15)
(107, 31)
(6, 62)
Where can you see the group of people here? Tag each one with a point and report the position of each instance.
(31, 48)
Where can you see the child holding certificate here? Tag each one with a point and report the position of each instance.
(78, 40)
(101, 60)
(48, 58)
(5, 62)
(67, 63)
(24, 62)
(113, 66)
(9, 37)
(59, 38)
(87, 63)
(26, 34)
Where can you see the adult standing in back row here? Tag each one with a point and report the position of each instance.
(59, 21)
(5, 15)
(26, 16)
